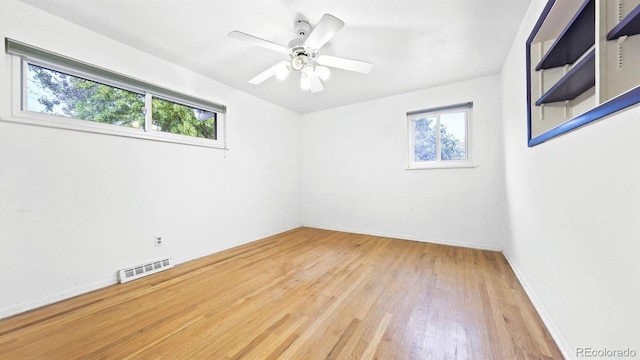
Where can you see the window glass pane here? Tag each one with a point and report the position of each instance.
(424, 139)
(57, 93)
(453, 135)
(181, 119)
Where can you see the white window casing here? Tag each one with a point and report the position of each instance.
(24, 54)
(438, 162)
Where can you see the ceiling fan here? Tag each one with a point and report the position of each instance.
(303, 54)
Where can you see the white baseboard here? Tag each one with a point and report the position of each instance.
(190, 257)
(546, 319)
(63, 295)
(407, 237)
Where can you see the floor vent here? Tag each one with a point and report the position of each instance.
(148, 268)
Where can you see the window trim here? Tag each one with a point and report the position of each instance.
(25, 54)
(439, 164)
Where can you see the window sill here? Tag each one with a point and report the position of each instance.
(442, 165)
(50, 121)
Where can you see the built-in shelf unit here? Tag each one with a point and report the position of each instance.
(630, 25)
(577, 81)
(583, 63)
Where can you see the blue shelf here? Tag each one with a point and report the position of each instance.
(623, 101)
(576, 38)
(578, 80)
(630, 25)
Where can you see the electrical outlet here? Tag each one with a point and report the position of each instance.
(158, 241)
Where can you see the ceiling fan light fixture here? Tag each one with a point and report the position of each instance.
(323, 72)
(305, 84)
(299, 61)
(307, 70)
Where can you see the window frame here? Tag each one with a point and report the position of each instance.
(21, 58)
(437, 112)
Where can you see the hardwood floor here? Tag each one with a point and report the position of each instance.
(303, 294)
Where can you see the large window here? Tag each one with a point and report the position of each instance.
(439, 137)
(61, 92)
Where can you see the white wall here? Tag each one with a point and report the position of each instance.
(76, 207)
(354, 175)
(574, 208)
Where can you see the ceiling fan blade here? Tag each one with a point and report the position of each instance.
(328, 26)
(239, 35)
(260, 78)
(346, 64)
(314, 80)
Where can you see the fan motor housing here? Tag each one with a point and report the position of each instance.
(301, 27)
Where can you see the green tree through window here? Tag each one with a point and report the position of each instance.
(65, 95)
(57, 93)
(180, 119)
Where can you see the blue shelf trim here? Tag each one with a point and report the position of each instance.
(576, 38)
(630, 25)
(578, 80)
(630, 98)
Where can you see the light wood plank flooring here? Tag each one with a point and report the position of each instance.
(303, 294)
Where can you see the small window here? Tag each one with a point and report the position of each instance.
(439, 137)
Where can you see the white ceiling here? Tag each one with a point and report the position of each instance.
(413, 44)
